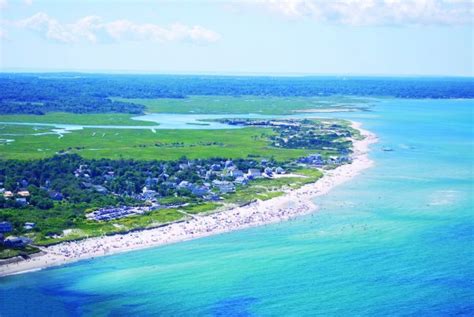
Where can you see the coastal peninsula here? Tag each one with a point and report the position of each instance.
(293, 203)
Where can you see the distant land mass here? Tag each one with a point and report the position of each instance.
(90, 93)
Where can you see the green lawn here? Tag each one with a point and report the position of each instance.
(145, 144)
(247, 104)
(10, 253)
(265, 188)
(80, 119)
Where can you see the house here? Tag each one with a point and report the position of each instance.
(16, 242)
(279, 170)
(21, 202)
(241, 180)
(23, 193)
(200, 191)
(228, 164)
(216, 167)
(224, 186)
(8, 194)
(148, 194)
(236, 173)
(313, 159)
(268, 171)
(184, 185)
(5, 227)
(212, 197)
(254, 173)
(29, 225)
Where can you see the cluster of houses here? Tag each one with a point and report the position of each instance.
(20, 197)
(117, 212)
(215, 178)
(13, 241)
(219, 179)
(289, 123)
(318, 161)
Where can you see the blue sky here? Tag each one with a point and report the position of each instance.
(353, 37)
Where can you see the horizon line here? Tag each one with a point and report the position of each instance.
(218, 73)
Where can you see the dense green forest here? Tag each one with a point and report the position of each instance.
(90, 93)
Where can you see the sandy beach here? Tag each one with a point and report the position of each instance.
(294, 203)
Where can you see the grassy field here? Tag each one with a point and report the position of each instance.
(265, 188)
(144, 144)
(80, 119)
(10, 253)
(248, 104)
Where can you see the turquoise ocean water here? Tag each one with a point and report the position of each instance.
(396, 241)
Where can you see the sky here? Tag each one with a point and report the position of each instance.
(340, 37)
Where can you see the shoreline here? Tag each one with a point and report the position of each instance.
(292, 204)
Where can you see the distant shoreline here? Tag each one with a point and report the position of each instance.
(294, 203)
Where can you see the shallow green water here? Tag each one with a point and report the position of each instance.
(396, 241)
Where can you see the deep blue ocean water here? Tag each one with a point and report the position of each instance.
(397, 240)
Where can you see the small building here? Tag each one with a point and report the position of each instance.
(8, 194)
(216, 167)
(254, 173)
(184, 185)
(29, 225)
(279, 170)
(21, 202)
(148, 194)
(16, 242)
(23, 193)
(313, 159)
(229, 163)
(224, 186)
(200, 191)
(212, 197)
(5, 227)
(241, 180)
(236, 173)
(268, 171)
(183, 166)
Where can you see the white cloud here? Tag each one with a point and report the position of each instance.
(3, 4)
(28, 2)
(3, 34)
(94, 29)
(373, 12)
